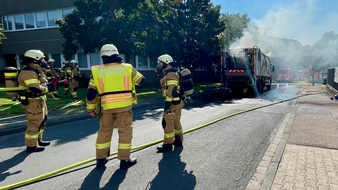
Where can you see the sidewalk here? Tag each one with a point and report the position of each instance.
(304, 152)
(310, 158)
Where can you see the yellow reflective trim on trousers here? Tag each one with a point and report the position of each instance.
(91, 106)
(172, 82)
(11, 74)
(124, 146)
(103, 145)
(178, 131)
(41, 131)
(32, 81)
(168, 99)
(170, 135)
(30, 137)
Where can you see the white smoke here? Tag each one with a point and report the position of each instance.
(287, 28)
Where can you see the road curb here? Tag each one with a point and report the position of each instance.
(267, 168)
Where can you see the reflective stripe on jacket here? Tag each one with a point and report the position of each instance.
(114, 84)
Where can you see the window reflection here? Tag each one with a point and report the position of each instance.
(18, 22)
(29, 20)
(41, 19)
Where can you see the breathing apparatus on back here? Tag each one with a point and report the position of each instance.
(11, 73)
(186, 83)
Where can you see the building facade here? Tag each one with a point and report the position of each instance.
(29, 24)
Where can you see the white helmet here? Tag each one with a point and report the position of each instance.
(34, 54)
(51, 60)
(165, 58)
(108, 50)
(73, 61)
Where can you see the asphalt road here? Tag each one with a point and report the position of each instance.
(222, 155)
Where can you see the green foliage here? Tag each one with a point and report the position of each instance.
(322, 54)
(235, 24)
(188, 31)
(65, 103)
(2, 35)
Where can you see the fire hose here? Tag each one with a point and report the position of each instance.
(140, 147)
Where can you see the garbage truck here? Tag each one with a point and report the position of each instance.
(247, 70)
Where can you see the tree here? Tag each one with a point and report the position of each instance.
(145, 27)
(322, 54)
(200, 25)
(235, 25)
(2, 35)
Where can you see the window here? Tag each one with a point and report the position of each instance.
(57, 58)
(94, 59)
(82, 60)
(29, 20)
(132, 60)
(153, 63)
(34, 20)
(52, 16)
(18, 22)
(41, 19)
(10, 22)
(4, 23)
(142, 62)
(66, 11)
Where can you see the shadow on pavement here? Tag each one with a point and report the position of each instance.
(172, 173)
(116, 179)
(7, 164)
(92, 181)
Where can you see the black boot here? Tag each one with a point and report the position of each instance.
(43, 143)
(177, 141)
(101, 162)
(35, 149)
(127, 163)
(165, 148)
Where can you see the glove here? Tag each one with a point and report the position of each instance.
(167, 107)
(50, 87)
(92, 113)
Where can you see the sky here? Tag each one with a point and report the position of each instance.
(302, 20)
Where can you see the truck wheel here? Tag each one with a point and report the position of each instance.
(260, 86)
(268, 87)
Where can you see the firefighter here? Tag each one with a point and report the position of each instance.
(173, 103)
(111, 87)
(34, 99)
(51, 75)
(65, 75)
(75, 78)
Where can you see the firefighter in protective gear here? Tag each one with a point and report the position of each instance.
(66, 72)
(51, 75)
(173, 103)
(111, 88)
(74, 78)
(34, 99)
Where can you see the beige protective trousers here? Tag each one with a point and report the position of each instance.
(73, 85)
(171, 123)
(36, 114)
(125, 130)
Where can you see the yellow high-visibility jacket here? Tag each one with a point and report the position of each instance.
(114, 83)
